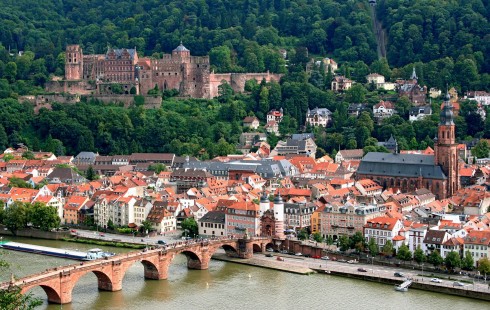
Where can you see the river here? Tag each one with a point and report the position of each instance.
(228, 286)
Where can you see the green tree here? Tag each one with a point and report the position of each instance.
(17, 182)
(356, 94)
(481, 149)
(146, 226)
(468, 262)
(484, 265)
(452, 260)
(157, 168)
(357, 241)
(90, 174)
(418, 255)
(344, 243)
(117, 89)
(404, 253)
(387, 249)
(435, 258)
(10, 71)
(110, 225)
(190, 228)
(12, 299)
(373, 247)
(15, 217)
(302, 234)
(329, 240)
(317, 237)
(43, 216)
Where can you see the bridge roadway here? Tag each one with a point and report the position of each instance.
(58, 282)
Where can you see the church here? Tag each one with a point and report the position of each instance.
(408, 172)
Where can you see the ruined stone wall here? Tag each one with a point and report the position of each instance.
(151, 102)
(71, 87)
(237, 80)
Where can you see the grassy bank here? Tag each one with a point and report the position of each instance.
(106, 243)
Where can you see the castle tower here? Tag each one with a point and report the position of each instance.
(73, 62)
(279, 216)
(446, 154)
(181, 51)
(264, 204)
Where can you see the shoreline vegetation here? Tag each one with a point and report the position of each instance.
(106, 243)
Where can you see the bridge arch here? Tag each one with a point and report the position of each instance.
(51, 292)
(257, 248)
(104, 280)
(152, 269)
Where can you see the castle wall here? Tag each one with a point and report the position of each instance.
(237, 80)
(71, 87)
(190, 75)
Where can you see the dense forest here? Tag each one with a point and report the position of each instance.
(448, 42)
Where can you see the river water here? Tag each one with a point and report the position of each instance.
(228, 286)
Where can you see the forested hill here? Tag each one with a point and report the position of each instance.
(448, 34)
(324, 26)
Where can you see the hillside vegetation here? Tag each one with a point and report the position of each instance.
(448, 42)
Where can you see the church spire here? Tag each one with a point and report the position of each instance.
(447, 116)
(414, 74)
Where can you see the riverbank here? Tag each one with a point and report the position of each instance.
(106, 243)
(272, 264)
(385, 275)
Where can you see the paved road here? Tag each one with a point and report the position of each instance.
(379, 271)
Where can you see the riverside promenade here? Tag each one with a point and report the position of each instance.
(373, 273)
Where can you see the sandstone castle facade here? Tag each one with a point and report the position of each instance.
(190, 75)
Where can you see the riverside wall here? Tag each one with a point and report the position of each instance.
(35, 233)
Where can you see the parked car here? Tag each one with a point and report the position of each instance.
(457, 283)
(269, 255)
(298, 254)
(436, 280)
(361, 270)
(334, 258)
(161, 242)
(284, 252)
(325, 257)
(342, 260)
(269, 250)
(399, 274)
(352, 261)
(102, 235)
(316, 256)
(280, 258)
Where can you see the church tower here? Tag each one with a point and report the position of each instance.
(73, 63)
(446, 154)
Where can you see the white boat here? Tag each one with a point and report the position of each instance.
(93, 254)
(404, 286)
(43, 250)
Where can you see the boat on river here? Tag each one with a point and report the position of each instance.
(92, 254)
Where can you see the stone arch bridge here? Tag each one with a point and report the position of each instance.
(59, 282)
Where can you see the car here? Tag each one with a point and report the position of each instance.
(342, 260)
(298, 254)
(334, 258)
(73, 231)
(269, 250)
(284, 252)
(361, 270)
(399, 274)
(269, 255)
(352, 261)
(316, 256)
(161, 242)
(102, 235)
(457, 283)
(436, 280)
(325, 257)
(280, 258)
